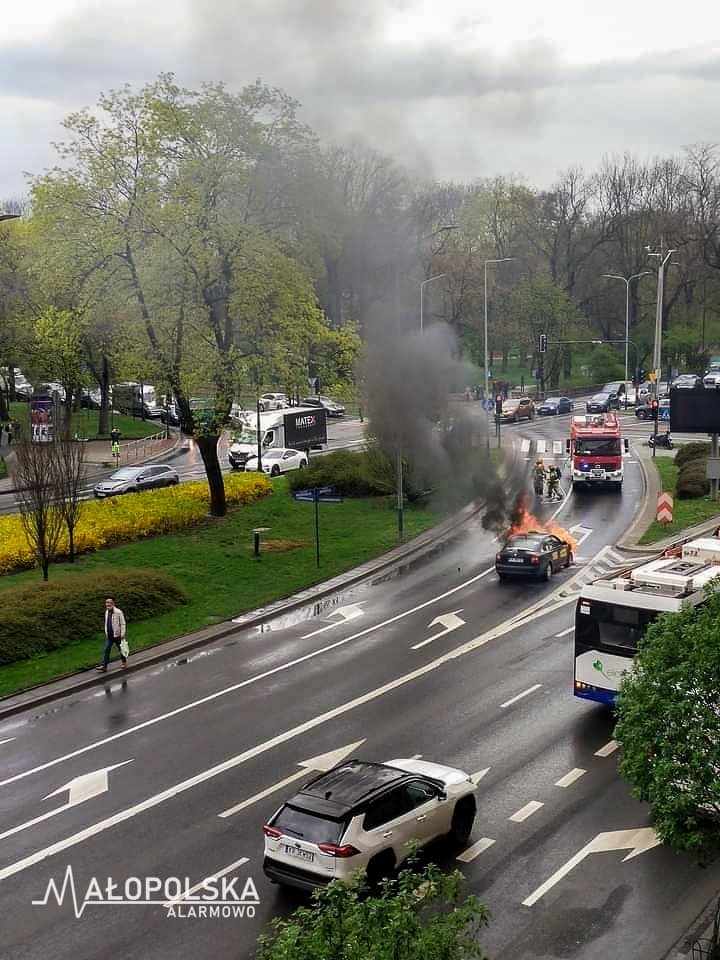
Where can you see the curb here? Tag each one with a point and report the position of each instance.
(630, 539)
(400, 557)
(700, 931)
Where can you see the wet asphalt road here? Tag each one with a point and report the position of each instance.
(229, 723)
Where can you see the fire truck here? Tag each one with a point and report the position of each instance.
(596, 451)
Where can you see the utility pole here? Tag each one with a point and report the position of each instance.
(657, 350)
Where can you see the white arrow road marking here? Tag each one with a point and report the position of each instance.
(637, 841)
(450, 621)
(527, 811)
(582, 532)
(564, 633)
(475, 850)
(260, 748)
(570, 777)
(535, 686)
(79, 789)
(213, 876)
(326, 761)
(609, 748)
(351, 612)
(9, 740)
(477, 777)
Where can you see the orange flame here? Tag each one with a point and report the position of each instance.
(524, 521)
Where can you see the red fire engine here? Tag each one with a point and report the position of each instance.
(596, 451)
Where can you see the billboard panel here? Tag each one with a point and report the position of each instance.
(305, 428)
(695, 411)
(42, 421)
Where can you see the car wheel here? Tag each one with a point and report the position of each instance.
(175, 481)
(502, 577)
(275, 471)
(548, 571)
(381, 867)
(463, 819)
(302, 464)
(570, 559)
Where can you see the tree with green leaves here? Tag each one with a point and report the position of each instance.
(422, 915)
(669, 726)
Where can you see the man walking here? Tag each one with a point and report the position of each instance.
(114, 633)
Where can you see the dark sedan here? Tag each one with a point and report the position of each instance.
(533, 554)
(601, 403)
(554, 406)
(331, 407)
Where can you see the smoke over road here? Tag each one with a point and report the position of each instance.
(407, 379)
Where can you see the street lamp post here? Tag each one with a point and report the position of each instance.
(439, 276)
(657, 351)
(485, 302)
(627, 281)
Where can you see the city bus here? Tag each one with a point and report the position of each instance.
(614, 611)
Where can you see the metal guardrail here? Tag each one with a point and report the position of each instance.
(709, 949)
(134, 450)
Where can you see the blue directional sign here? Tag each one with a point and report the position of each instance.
(318, 494)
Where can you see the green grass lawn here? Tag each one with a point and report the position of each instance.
(222, 578)
(85, 423)
(686, 513)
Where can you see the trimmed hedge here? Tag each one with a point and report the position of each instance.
(37, 618)
(354, 473)
(695, 450)
(691, 481)
(132, 517)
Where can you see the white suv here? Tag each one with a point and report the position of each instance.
(273, 401)
(364, 816)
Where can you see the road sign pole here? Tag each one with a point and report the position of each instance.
(714, 453)
(316, 498)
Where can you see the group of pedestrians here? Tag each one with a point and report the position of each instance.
(500, 388)
(549, 476)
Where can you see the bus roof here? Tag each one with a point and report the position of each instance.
(668, 582)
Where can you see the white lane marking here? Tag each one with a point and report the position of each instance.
(416, 756)
(243, 683)
(527, 811)
(9, 740)
(535, 686)
(564, 633)
(525, 445)
(79, 789)
(557, 447)
(478, 775)
(637, 841)
(153, 801)
(213, 876)
(570, 777)
(326, 761)
(350, 612)
(609, 748)
(540, 445)
(475, 850)
(450, 621)
(582, 533)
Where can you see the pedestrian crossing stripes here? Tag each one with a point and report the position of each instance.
(541, 447)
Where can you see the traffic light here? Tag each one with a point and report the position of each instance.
(498, 405)
(542, 347)
(654, 404)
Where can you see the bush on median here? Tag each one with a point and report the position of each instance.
(353, 473)
(695, 450)
(132, 517)
(40, 617)
(691, 480)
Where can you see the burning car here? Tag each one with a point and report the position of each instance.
(532, 548)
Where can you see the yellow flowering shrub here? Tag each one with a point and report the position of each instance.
(132, 517)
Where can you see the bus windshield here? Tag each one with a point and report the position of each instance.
(598, 447)
(611, 625)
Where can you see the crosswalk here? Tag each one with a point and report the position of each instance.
(607, 562)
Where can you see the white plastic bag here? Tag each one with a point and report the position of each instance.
(124, 648)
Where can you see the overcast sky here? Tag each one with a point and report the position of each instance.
(458, 89)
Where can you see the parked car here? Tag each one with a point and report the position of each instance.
(712, 375)
(602, 403)
(517, 408)
(533, 554)
(150, 476)
(278, 460)
(616, 389)
(644, 410)
(687, 381)
(273, 401)
(554, 406)
(331, 407)
(170, 415)
(366, 816)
